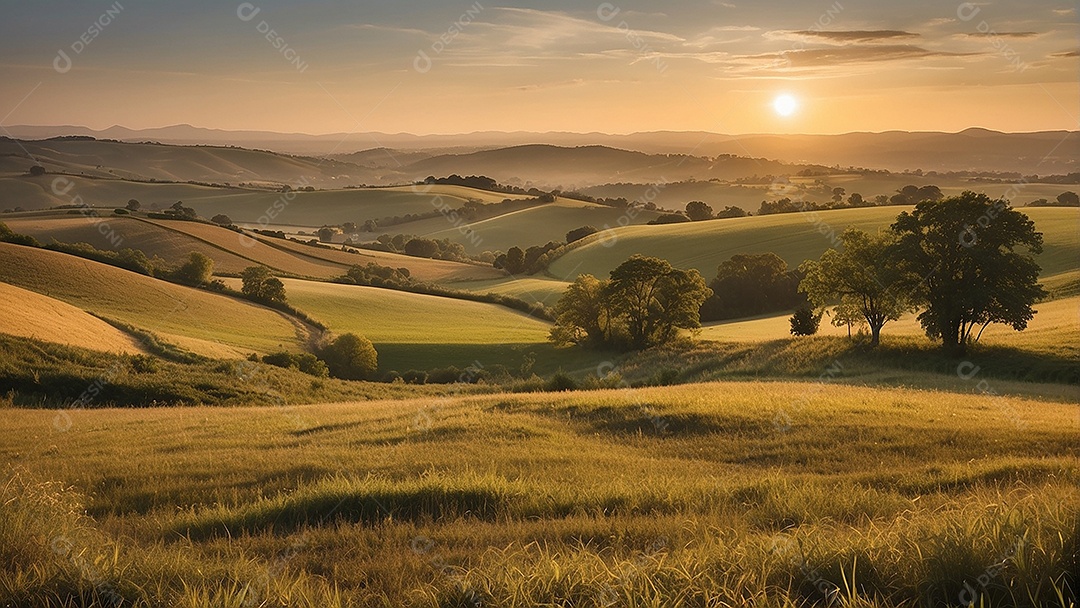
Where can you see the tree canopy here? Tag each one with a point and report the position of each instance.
(644, 303)
(861, 279)
(968, 263)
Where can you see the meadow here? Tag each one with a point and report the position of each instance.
(205, 323)
(750, 493)
(795, 237)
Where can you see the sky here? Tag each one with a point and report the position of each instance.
(460, 66)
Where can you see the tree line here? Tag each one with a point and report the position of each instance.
(962, 263)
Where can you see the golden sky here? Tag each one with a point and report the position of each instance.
(616, 67)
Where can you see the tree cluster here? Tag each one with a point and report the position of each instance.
(964, 262)
(526, 261)
(644, 303)
(752, 284)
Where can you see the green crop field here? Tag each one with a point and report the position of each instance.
(793, 236)
(534, 226)
(537, 289)
(725, 494)
(416, 331)
(205, 323)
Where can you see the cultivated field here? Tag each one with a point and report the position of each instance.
(205, 323)
(32, 315)
(766, 494)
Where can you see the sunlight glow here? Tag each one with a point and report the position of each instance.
(785, 105)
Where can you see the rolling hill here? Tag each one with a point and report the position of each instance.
(206, 323)
(416, 331)
(793, 236)
(151, 161)
(232, 252)
(28, 314)
(971, 149)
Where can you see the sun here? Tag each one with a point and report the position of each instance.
(785, 105)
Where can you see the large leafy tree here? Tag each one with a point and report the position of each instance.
(653, 300)
(644, 303)
(862, 279)
(969, 264)
(582, 315)
(751, 284)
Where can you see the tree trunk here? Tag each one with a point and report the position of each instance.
(875, 335)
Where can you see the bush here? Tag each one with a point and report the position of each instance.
(804, 322)
(119, 211)
(196, 271)
(304, 362)
(392, 377)
(351, 357)
(561, 382)
(414, 376)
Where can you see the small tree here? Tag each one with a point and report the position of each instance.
(37, 171)
(579, 233)
(259, 284)
(326, 234)
(351, 357)
(1068, 199)
(515, 260)
(698, 211)
(133, 205)
(582, 314)
(805, 322)
(221, 220)
(863, 277)
(196, 271)
(422, 248)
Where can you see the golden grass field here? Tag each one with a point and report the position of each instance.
(769, 494)
(32, 315)
(205, 323)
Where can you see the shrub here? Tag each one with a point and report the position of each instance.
(414, 376)
(805, 322)
(351, 357)
(304, 362)
(561, 382)
(196, 271)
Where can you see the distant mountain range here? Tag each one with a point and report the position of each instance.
(974, 149)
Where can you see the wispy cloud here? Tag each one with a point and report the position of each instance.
(1001, 35)
(828, 57)
(841, 37)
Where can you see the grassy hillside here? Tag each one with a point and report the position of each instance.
(205, 323)
(539, 290)
(145, 161)
(421, 269)
(793, 236)
(719, 194)
(415, 331)
(1056, 327)
(243, 205)
(232, 252)
(31, 315)
(533, 226)
(763, 493)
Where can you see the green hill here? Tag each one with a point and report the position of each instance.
(793, 236)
